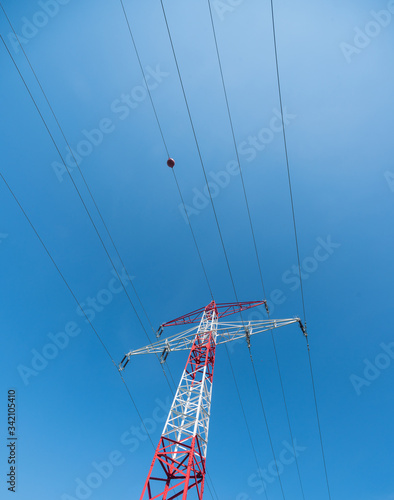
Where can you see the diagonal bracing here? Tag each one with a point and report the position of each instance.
(178, 466)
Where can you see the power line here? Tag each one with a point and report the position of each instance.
(193, 235)
(296, 237)
(252, 231)
(198, 147)
(287, 157)
(266, 422)
(215, 215)
(251, 224)
(202, 164)
(175, 177)
(78, 192)
(287, 415)
(236, 149)
(77, 164)
(199, 152)
(86, 316)
(256, 251)
(164, 143)
(177, 184)
(75, 299)
(47, 128)
(318, 419)
(143, 74)
(246, 422)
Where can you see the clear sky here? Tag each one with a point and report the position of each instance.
(74, 416)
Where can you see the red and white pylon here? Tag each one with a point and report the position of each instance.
(178, 466)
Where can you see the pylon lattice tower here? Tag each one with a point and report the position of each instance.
(179, 464)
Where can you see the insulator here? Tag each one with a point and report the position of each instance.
(302, 327)
(159, 331)
(164, 355)
(124, 366)
(247, 335)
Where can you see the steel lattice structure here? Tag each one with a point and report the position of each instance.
(178, 465)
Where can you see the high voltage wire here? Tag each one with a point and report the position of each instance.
(76, 300)
(77, 190)
(296, 236)
(287, 157)
(179, 190)
(42, 242)
(165, 144)
(235, 147)
(266, 423)
(259, 469)
(197, 146)
(287, 415)
(225, 253)
(75, 161)
(176, 181)
(216, 219)
(47, 251)
(215, 215)
(213, 207)
(193, 235)
(254, 243)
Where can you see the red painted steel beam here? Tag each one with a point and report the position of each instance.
(222, 310)
(181, 475)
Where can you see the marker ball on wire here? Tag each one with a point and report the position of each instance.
(171, 162)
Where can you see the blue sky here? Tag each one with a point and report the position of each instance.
(337, 75)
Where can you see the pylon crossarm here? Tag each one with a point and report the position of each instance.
(221, 310)
(226, 332)
(241, 329)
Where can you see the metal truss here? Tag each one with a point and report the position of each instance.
(222, 310)
(178, 466)
(179, 461)
(226, 332)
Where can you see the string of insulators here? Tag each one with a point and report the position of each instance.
(303, 328)
(164, 355)
(247, 336)
(123, 365)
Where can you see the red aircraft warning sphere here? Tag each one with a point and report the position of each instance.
(170, 162)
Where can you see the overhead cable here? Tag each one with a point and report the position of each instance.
(165, 143)
(76, 301)
(296, 239)
(77, 190)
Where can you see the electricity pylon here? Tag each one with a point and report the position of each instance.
(178, 466)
